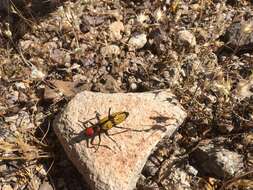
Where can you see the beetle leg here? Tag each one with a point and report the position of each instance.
(99, 140)
(97, 116)
(99, 143)
(93, 144)
(108, 135)
(125, 129)
(92, 124)
(109, 113)
(92, 140)
(87, 142)
(83, 124)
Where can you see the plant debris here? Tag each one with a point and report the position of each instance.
(52, 49)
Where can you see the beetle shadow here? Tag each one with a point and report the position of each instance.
(161, 122)
(78, 137)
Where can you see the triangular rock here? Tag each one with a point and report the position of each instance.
(116, 166)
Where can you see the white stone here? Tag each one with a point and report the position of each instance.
(116, 168)
(133, 86)
(244, 88)
(137, 41)
(6, 187)
(217, 161)
(187, 37)
(110, 50)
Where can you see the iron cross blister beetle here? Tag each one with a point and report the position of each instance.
(103, 125)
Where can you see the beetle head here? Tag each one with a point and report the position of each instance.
(89, 132)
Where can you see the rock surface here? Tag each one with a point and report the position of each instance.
(216, 160)
(152, 115)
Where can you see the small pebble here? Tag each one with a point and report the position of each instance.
(137, 41)
(150, 169)
(133, 86)
(6, 187)
(45, 186)
(110, 50)
(187, 37)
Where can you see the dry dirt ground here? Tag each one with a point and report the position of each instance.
(200, 49)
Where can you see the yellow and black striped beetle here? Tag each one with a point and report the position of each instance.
(103, 125)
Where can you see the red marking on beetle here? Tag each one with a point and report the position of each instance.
(89, 131)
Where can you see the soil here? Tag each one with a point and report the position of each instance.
(52, 49)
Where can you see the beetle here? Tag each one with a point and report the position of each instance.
(103, 126)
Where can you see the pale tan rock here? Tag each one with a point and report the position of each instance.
(115, 30)
(154, 114)
(137, 41)
(6, 187)
(187, 37)
(110, 50)
(243, 88)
